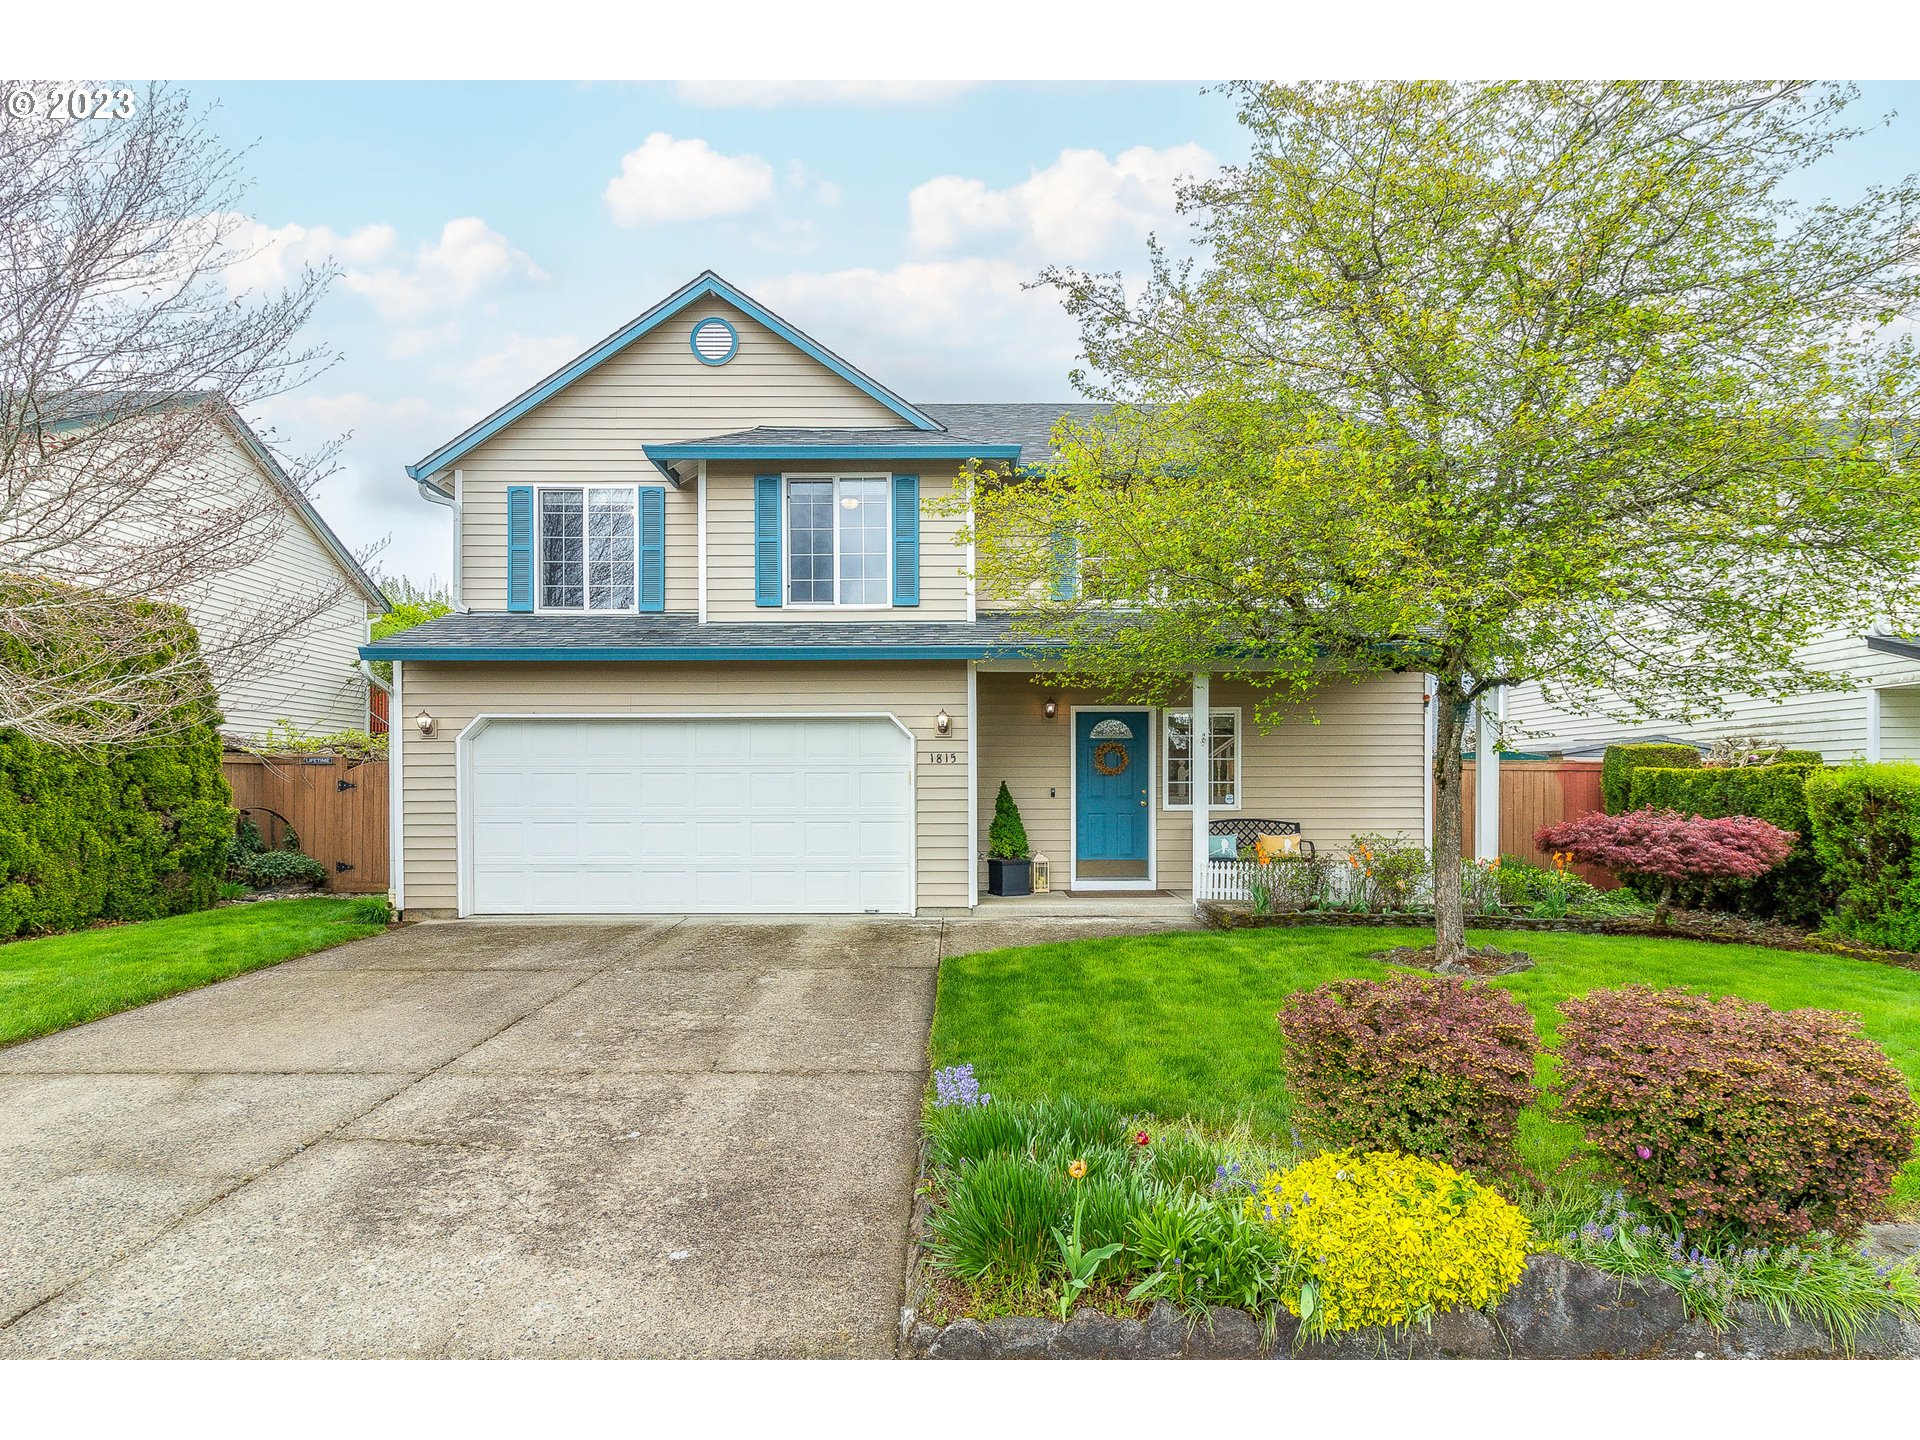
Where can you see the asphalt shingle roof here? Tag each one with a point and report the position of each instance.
(1030, 426)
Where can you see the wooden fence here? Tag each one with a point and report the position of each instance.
(338, 807)
(1535, 793)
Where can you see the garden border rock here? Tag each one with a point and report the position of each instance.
(1229, 915)
(1560, 1310)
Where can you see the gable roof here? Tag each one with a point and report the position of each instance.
(791, 442)
(700, 287)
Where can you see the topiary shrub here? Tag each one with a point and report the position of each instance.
(1670, 847)
(1796, 890)
(1390, 1239)
(1728, 1114)
(1620, 761)
(1006, 837)
(1866, 838)
(1435, 1067)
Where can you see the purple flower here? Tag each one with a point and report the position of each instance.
(956, 1085)
(1643, 1152)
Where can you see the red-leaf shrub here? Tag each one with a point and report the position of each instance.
(1671, 845)
(1429, 1066)
(1726, 1112)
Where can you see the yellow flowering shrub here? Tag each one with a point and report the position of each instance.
(1388, 1239)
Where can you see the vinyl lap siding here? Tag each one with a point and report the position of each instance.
(1360, 769)
(594, 431)
(455, 694)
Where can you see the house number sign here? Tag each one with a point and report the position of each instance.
(943, 757)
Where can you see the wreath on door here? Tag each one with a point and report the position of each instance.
(1110, 757)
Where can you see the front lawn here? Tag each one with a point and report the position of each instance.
(1182, 1025)
(62, 980)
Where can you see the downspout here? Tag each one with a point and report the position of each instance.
(430, 491)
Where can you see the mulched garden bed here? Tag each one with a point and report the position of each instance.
(1681, 925)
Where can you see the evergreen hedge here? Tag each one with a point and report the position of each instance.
(127, 832)
(1797, 891)
(1866, 832)
(1620, 761)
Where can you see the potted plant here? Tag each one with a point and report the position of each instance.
(1008, 870)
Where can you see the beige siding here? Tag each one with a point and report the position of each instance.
(943, 582)
(1833, 722)
(1900, 724)
(654, 390)
(455, 694)
(1361, 768)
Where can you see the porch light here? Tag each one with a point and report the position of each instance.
(425, 723)
(1052, 707)
(942, 722)
(1040, 875)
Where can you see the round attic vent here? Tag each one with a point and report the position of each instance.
(715, 341)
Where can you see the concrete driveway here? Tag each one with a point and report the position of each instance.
(567, 1139)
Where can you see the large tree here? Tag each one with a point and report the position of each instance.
(1556, 382)
(127, 351)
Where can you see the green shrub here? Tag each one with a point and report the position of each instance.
(272, 869)
(1006, 837)
(1797, 891)
(1866, 837)
(998, 1220)
(1434, 1067)
(1199, 1251)
(1620, 761)
(1727, 1114)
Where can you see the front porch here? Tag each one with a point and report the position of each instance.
(1107, 789)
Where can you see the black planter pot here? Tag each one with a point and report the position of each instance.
(1009, 877)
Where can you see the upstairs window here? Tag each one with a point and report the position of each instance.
(839, 540)
(589, 549)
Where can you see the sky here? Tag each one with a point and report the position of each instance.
(487, 233)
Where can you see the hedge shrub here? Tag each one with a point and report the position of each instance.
(1430, 1066)
(1866, 834)
(1797, 891)
(128, 832)
(1728, 1114)
(1620, 761)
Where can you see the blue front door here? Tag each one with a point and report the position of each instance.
(1113, 788)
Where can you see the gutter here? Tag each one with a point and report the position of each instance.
(432, 492)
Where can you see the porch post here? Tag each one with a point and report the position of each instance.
(1200, 771)
(1486, 775)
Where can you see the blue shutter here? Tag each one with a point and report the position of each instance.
(1066, 566)
(653, 548)
(766, 540)
(519, 547)
(906, 539)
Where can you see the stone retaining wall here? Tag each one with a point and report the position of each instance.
(1560, 1310)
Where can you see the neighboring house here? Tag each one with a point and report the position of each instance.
(1875, 717)
(311, 677)
(711, 653)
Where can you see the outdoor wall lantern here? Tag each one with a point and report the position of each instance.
(425, 722)
(1052, 707)
(943, 722)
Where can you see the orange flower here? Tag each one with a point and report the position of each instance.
(1077, 1169)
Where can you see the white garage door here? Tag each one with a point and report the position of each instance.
(633, 816)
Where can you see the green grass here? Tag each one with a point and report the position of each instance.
(62, 980)
(1183, 1025)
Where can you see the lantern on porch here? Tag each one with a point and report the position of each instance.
(1041, 882)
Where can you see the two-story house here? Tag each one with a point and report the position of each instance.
(712, 652)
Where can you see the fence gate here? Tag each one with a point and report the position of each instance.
(337, 806)
(1535, 793)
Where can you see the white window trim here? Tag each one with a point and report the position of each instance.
(540, 555)
(787, 602)
(1239, 757)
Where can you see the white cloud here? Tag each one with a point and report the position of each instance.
(1076, 209)
(937, 330)
(766, 94)
(268, 257)
(496, 372)
(667, 180)
(469, 259)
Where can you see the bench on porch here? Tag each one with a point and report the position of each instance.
(1245, 831)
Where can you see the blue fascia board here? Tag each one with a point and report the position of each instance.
(815, 451)
(699, 288)
(604, 653)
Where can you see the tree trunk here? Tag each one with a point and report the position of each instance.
(1449, 909)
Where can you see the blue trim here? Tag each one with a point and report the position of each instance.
(693, 339)
(653, 549)
(699, 288)
(771, 653)
(906, 540)
(769, 583)
(520, 548)
(786, 450)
